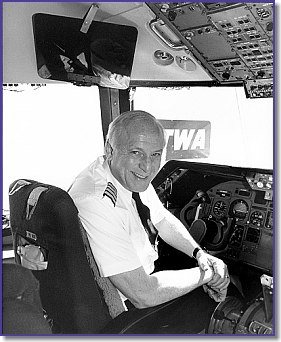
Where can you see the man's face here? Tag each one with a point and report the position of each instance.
(136, 161)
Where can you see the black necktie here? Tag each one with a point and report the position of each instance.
(144, 214)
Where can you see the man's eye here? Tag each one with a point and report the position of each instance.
(156, 154)
(136, 153)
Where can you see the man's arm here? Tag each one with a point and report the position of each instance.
(172, 231)
(145, 290)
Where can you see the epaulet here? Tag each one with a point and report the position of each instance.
(111, 192)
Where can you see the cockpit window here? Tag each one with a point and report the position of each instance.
(50, 132)
(217, 125)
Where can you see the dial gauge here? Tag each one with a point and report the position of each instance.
(256, 218)
(239, 209)
(219, 208)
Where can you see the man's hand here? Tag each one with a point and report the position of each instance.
(217, 296)
(217, 286)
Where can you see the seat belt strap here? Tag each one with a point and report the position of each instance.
(33, 199)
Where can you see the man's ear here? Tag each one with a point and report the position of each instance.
(108, 151)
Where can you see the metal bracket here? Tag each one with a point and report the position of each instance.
(83, 80)
(89, 18)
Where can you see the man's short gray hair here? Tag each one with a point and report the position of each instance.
(120, 125)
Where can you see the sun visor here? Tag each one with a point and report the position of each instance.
(101, 55)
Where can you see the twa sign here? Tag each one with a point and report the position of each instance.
(187, 139)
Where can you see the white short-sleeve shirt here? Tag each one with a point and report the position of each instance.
(110, 218)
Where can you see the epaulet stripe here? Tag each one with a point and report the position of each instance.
(111, 192)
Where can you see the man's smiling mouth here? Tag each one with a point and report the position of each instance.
(138, 175)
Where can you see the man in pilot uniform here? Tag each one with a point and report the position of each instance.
(105, 195)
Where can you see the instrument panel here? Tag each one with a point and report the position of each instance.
(237, 208)
(246, 218)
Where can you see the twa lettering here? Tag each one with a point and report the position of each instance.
(187, 139)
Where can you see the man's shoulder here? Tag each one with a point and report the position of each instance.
(93, 184)
(92, 181)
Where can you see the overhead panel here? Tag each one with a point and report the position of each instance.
(232, 41)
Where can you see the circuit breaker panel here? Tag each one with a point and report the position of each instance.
(232, 41)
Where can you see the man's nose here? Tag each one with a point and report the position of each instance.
(145, 164)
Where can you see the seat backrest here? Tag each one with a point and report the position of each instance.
(50, 240)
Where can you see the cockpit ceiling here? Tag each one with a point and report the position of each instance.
(19, 59)
(181, 42)
(232, 41)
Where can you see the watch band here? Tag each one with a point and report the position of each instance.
(195, 251)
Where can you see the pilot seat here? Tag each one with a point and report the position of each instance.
(50, 240)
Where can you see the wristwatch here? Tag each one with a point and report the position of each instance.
(195, 251)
